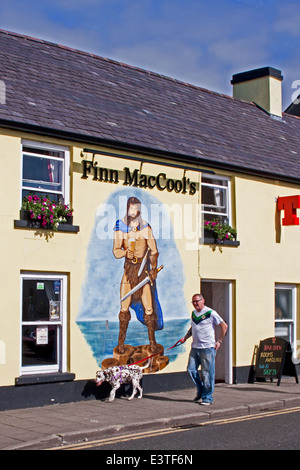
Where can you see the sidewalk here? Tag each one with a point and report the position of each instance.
(58, 424)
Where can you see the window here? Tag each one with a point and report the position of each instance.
(43, 323)
(45, 170)
(215, 198)
(285, 312)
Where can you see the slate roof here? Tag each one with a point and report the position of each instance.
(64, 92)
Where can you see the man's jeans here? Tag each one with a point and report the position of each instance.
(204, 379)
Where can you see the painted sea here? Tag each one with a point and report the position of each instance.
(102, 336)
(99, 303)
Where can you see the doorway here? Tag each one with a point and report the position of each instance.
(218, 296)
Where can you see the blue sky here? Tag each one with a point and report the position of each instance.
(203, 42)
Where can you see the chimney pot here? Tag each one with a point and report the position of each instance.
(262, 87)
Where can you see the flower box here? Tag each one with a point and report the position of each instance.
(36, 223)
(39, 212)
(216, 232)
(210, 239)
(26, 222)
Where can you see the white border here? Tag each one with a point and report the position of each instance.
(62, 339)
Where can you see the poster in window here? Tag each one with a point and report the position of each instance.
(54, 307)
(56, 287)
(42, 335)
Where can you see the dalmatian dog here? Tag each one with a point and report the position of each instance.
(118, 375)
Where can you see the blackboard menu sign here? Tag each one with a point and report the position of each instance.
(270, 358)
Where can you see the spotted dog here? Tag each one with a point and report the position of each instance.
(118, 375)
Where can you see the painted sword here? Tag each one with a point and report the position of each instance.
(143, 263)
(140, 284)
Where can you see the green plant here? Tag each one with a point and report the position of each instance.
(221, 231)
(49, 213)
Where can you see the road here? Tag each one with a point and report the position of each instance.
(272, 430)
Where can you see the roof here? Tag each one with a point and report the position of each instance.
(60, 91)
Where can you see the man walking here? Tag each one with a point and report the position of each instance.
(204, 348)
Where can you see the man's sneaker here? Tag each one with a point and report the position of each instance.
(205, 403)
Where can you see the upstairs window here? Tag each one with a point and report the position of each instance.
(215, 194)
(45, 171)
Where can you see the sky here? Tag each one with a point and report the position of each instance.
(202, 42)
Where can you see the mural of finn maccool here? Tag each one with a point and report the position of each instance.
(134, 241)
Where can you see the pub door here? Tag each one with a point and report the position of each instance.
(218, 296)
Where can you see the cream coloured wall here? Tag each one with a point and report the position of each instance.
(262, 259)
(257, 264)
(89, 195)
(29, 251)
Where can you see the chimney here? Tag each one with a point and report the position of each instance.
(262, 87)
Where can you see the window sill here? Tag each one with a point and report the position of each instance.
(36, 226)
(44, 378)
(214, 241)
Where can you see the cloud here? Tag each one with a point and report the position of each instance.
(288, 19)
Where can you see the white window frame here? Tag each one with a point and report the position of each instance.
(61, 365)
(227, 190)
(65, 162)
(291, 321)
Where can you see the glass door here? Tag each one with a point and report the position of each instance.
(218, 296)
(43, 323)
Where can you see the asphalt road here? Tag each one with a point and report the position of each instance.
(272, 430)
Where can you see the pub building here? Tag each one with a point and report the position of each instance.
(123, 193)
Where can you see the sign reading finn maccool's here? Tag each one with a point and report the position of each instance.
(137, 179)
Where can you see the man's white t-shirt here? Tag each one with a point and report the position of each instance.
(203, 327)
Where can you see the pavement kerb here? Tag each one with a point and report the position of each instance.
(194, 419)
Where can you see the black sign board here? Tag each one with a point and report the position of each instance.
(274, 359)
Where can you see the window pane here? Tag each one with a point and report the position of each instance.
(42, 173)
(41, 300)
(284, 331)
(283, 304)
(214, 199)
(39, 345)
(214, 181)
(214, 193)
(220, 218)
(42, 341)
(54, 197)
(41, 151)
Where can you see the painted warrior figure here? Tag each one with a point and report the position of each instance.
(134, 241)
